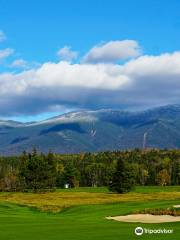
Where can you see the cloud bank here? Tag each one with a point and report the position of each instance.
(140, 82)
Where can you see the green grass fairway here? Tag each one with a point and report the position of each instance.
(83, 222)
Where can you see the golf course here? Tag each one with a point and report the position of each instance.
(80, 213)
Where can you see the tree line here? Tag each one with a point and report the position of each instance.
(120, 170)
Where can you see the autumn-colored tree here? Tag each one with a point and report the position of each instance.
(163, 178)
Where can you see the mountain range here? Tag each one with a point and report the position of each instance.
(90, 131)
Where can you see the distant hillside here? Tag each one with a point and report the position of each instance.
(94, 131)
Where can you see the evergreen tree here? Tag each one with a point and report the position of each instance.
(123, 179)
(70, 175)
(38, 173)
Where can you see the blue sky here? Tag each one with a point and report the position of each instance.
(36, 30)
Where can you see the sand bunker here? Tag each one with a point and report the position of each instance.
(146, 218)
(176, 206)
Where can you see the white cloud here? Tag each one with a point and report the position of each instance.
(67, 54)
(6, 53)
(144, 82)
(2, 36)
(113, 51)
(19, 63)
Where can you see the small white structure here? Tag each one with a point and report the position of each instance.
(66, 185)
